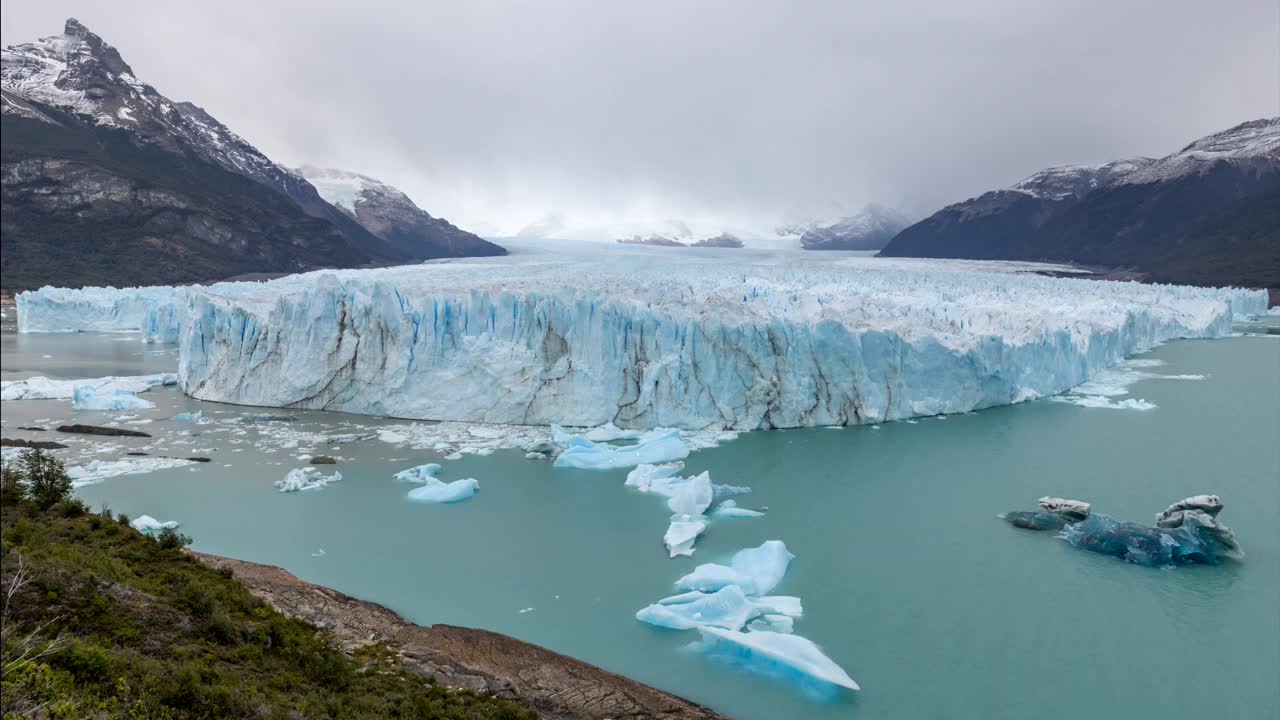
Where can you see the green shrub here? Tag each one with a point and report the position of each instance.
(12, 491)
(46, 476)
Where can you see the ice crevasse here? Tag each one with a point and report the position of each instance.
(733, 345)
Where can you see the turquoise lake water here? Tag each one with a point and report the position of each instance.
(937, 608)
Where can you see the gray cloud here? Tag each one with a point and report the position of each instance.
(497, 114)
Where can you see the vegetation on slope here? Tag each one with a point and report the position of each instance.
(103, 621)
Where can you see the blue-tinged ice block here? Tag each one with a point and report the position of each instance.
(86, 397)
(755, 570)
(776, 654)
(653, 448)
(445, 492)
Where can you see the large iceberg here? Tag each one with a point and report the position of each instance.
(778, 654)
(768, 340)
(656, 447)
(102, 309)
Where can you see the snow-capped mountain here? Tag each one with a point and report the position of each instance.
(79, 72)
(1198, 215)
(390, 214)
(870, 229)
(98, 160)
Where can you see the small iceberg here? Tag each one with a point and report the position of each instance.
(435, 490)
(755, 570)
(610, 432)
(692, 497)
(152, 526)
(776, 654)
(86, 397)
(681, 535)
(191, 417)
(306, 479)
(445, 492)
(654, 447)
(730, 509)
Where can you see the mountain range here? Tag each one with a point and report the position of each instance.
(870, 229)
(1208, 214)
(107, 181)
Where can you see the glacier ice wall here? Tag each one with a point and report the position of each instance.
(646, 341)
(666, 345)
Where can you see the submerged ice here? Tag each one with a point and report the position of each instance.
(776, 342)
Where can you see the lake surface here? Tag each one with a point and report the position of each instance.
(909, 581)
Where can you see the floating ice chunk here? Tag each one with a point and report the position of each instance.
(755, 570)
(681, 535)
(788, 605)
(99, 470)
(730, 509)
(660, 479)
(188, 417)
(306, 479)
(692, 497)
(151, 526)
(727, 608)
(42, 388)
(319, 553)
(87, 398)
(1199, 540)
(774, 653)
(654, 447)
(420, 474)
(437, 491)
(610, 432)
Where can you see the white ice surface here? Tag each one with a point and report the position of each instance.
(99, 470)
(43, 388)
(756, 570)
(306, 479)
(776, 653)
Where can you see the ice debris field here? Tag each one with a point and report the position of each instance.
(772, 341)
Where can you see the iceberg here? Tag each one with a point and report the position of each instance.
(43, 388)
(151, 526)
(681, 534)
(191, 417)
(610, 432)
(726, 608)
(435, 490)
(730, 509)
(767, 341)
(438, 491)
(306, 479)
(655, 447)
(86, 397)
(693, 497)
(778, 654)
(773, 623)
(420, 474)
(755, 570)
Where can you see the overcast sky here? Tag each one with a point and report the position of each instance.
(735, 112)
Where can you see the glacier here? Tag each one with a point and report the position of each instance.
(764, 340)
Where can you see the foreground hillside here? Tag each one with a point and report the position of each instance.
(103, 621)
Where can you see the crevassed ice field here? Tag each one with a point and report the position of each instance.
(855, 423)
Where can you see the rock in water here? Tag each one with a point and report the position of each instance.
(100, 430)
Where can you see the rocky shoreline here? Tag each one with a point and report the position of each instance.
(556, 686)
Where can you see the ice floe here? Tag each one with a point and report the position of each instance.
(756, 570)
(306, 479)
(99, 470)
(43, 388)
(776, 654)
(660, 446)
